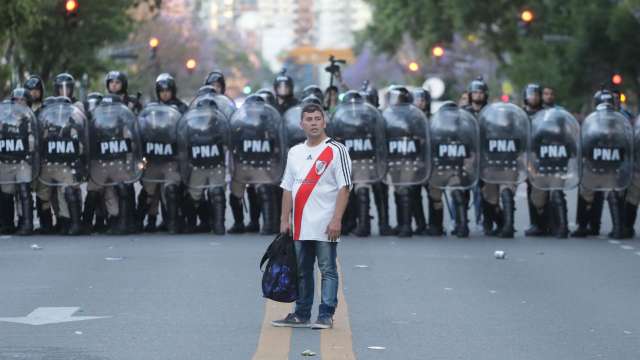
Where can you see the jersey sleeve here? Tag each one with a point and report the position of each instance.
(288, 178)
(342, 168)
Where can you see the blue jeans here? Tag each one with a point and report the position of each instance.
(306, 253)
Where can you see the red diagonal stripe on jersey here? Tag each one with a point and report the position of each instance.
(303, 193)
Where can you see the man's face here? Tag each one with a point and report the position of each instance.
(533, 99)
(420, 103)
(115, 86)
(217, 86)
(165, 95)
(477, 97)
(548, 96)
(283, 89)
(35, 94)
(313, 124)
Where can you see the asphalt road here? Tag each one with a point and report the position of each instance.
(198, 297)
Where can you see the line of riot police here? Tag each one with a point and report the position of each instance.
(180, 159)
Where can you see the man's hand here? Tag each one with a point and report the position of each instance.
(334, 229)
(285, 226)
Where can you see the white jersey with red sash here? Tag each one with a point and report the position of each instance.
(314, 175)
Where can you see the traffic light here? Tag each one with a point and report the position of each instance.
(191, 65)
(437, 51)
(153, 45)
(413, 66)
(623, 98)
(616, 79)
(71, 8)
(505, 98)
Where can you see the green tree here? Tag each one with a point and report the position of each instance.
(572, 45)
(39, 38)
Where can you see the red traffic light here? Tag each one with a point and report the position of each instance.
(616, 79)
(505, 98)
(71, 6)
(437, 51)
(527, 16)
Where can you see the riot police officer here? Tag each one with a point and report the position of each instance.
(202, 142)
(407, 136)
(167, 92)
(477, 97)
(422, 100)
(283, 87)
(62, 127)
(380, 188)
(591, 203)
(117, 83)
(18, 161)
(35, 86)
(216, 79)
(537, 199)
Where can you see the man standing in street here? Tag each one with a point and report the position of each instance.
(316, 186)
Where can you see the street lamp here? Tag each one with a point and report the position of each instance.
(413, 66)
(437, 51)
(153, 45)
(191, 65)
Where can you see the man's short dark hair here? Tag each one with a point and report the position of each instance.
(311, 108)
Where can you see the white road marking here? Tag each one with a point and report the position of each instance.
(627, 247)
(50, 315)
(614, 242)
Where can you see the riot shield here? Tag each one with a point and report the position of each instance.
(19, 156)
(63, 144)
(504, 143)
(360, 127)
(202, 141)
(454, 148)
(607, 150)
(257, 143)
(159, 134)
(554, 157)
(408, 148)
(115, 151)
(293, 133)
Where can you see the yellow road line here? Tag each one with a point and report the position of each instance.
(274, 343)
(337, 343)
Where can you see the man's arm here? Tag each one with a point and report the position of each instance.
(335, 225)
(285, 218)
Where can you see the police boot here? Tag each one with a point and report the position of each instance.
(535, 218)
(217, 214)
(152, 224)
(582, 218)
(45, 218)
(90, 202)
(508, 210)
(254, 211)
(436, 217)
(595, 215)
(350, 215)
(381, 199)
(616, 210)
(559, 211)
(269, 224)
(203, 211)
(403, 211)
(418, 210)
(171, 195)
(124, 209)
(489, 218)
(7, 225)
(74, 202)
(189, 211)
(363, 228)
(630, 215)
(460, 202)
(238, 215)
(141, 211)
(26, 202)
